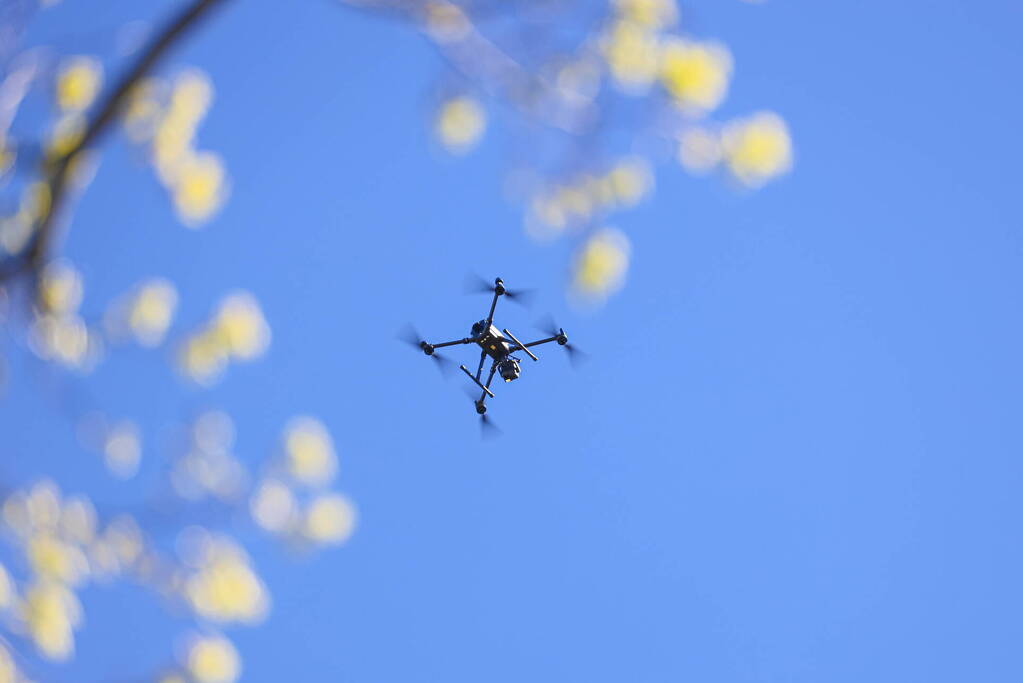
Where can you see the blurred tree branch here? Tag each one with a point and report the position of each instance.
(58, 171)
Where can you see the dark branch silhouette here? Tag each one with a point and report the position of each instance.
(57, 171)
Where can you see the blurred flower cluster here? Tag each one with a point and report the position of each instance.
(62, 547)
(58, 332)
(237, 331)
(164, 115)
(292, 500)
(144, 314)
(638, 60)
(204, 498)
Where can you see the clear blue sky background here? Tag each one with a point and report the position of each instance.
(795, 455)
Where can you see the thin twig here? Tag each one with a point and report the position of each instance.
(34, 256)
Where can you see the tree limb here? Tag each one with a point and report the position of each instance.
(57, 171)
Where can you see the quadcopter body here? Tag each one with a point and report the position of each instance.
(496, 344)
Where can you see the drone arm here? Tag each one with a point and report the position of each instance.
(493, 306)
(520, 344)
(485, 389)
(490, 378)
(479, 370)
(523, 347)
(452, 343)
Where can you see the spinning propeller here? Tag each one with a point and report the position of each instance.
(488, 429)
(410, 336)
(575, 355)
(474, 284)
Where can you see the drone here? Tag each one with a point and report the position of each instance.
(497, 344)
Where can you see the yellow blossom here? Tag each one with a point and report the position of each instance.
(151, 311)
(329, 519)
(632, 52)
(549, 212)
(65, 136)
(60, 289)
(201, 473)
(602, 264)
(192, 94)
(238, 330)
(202, 358)
(309, 451)
(758, 148)
(8, 669)
(630, 181)
(51, 613)
(35, 202)
(695, 74)
(273, 506)
(78, 83)
(42, 506)
(241, 327)
(124, 538)
(171, 146)
(64, 339)
(6, 154)
(445, 22)
(213, 659)
(143, 110)
(53, 559)
(460, 124)
(123, 450)
(199, 187)
(171, 678)
(226, 588)
(649, 13)
(574, 200)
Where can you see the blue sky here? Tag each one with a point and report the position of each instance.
(794, 455)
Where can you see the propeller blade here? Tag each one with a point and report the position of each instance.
(523, 297)
(445, 365)
(547, 325)
(576, 356)
(474, 284)
(488, 430)
(410, 336)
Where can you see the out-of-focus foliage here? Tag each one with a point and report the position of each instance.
(639, 56)
(78, 83)
(163, 116)
(237, 331)
(460, 124)
(602, 263)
